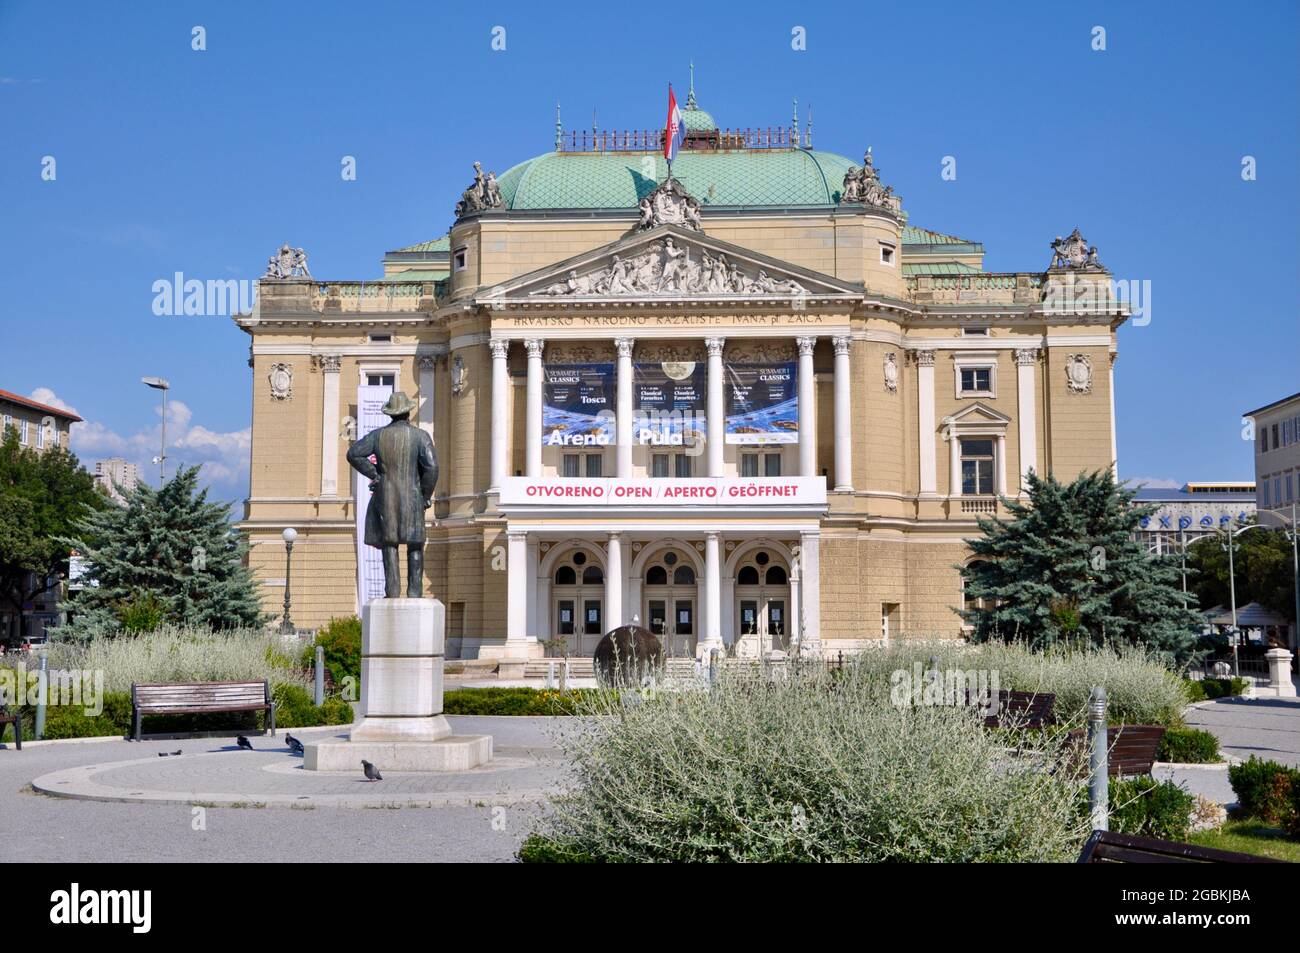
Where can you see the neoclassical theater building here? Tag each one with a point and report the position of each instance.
(749, 406)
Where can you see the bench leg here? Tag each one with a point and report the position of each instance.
(135, 735)
(18, 733)
(272, 719)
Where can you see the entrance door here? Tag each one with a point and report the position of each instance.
(762, 600)
(592, 628)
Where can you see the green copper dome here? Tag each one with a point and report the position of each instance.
(619, 180)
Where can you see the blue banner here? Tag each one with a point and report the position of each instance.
(762, 403)
(578, 405)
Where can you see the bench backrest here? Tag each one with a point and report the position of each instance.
(1028, 709)
(1106, 847)
(1131, 748)
(199, 695)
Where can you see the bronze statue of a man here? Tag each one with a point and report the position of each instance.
(401, 482)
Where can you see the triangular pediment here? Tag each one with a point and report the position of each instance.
(670, 262)
(978, 413)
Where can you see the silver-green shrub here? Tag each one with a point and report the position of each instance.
(178, 654)
(815, 766)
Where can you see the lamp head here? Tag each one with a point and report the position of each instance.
(157, 383)
(289, 534)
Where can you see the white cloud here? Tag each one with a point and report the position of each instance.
(1154, 483)
(224, 456)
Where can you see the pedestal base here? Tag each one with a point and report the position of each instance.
(453, 753)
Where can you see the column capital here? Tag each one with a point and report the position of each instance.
(805, 345)
(842, 345)
(426, 362)
(516, 534)
(713, 535)
(1027, 356)
(499, 347)
(714, 346)
(624, 346)
(534, 346)
(329, 363)
(924, 356)
(616, 535)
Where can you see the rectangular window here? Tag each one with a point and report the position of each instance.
(1263, 493)
(1277, 490)
(381, 339)
(593, 464)
(749, 464)
(1289, 489)
(886, 253)
(40, 437)
(659, 465)
(977, 467)
(381, 380)
(888, 620)
(572, 462)
(1275, 441)
(22, 433)
(772, 464)
(682, 467)
(975, 332)
(976, 380)
(9, 422)
(1263, 440)
(458, 260)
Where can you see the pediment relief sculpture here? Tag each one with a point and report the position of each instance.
(669, 204)
(667, 268)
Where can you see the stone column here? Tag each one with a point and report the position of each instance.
(716, 414)
(425, 365)
(843, 416)
(530, 597)
(1027, 412)
(623, 425)
(713, 600)
(807, 435)
(500, 413)
(614, 582)
(1001, 464)
(954, 464)
(925, 421)
(517, 591)
(1114, 445)
(329, 431)
(533, 428)
(810, 636)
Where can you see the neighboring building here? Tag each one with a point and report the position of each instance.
(116, 477)
(747, 406)
(1277, 454)
(39, 427)
(1192, 511)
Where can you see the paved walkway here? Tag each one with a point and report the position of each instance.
(142, 807)
(1266, 727)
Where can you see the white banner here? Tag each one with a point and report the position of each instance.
(370, 561)
(603, 492)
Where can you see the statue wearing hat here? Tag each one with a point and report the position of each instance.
(402, 478)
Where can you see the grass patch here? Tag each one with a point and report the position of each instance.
(514, 701)
(1250, 837)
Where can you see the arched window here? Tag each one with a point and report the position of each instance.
(969, 604)
(683, 576)
(565, 576)
(747, 577)
(593, 575)
(776, 576)
(656, 576)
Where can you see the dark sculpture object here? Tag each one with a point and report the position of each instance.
(402, 478)
(626, 655)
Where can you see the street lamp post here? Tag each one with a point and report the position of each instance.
(289, 535)
(158, 383)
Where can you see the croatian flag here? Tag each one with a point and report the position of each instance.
(674, 131)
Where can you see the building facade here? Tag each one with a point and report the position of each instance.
(116, 477)
(38, 427)
(1191, 512)
(748, 405)
(1277, 454)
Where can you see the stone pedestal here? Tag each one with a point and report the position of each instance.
(402, 726)
(1279, 673)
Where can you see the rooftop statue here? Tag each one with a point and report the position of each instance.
(862, 186)
(1074, 252)
(287, 263)
(402, 477)
(483, 193)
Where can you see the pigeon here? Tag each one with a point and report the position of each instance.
(372, 773)
(164, 754)
(244, 743)
(294, 744)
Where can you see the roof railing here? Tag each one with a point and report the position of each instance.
(652, 140)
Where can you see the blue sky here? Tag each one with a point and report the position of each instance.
(203, 162)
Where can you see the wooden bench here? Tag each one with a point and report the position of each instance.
(1132, 748)
(1103, 847)
(1023, 710)
(200, 698)
(12, 719)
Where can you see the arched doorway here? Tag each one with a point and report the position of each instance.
(670, 602)
(762, 603)
(577, 603)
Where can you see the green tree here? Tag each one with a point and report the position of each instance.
(43, 495)
(1262, 562)
(167, 556)
(1066, 567)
